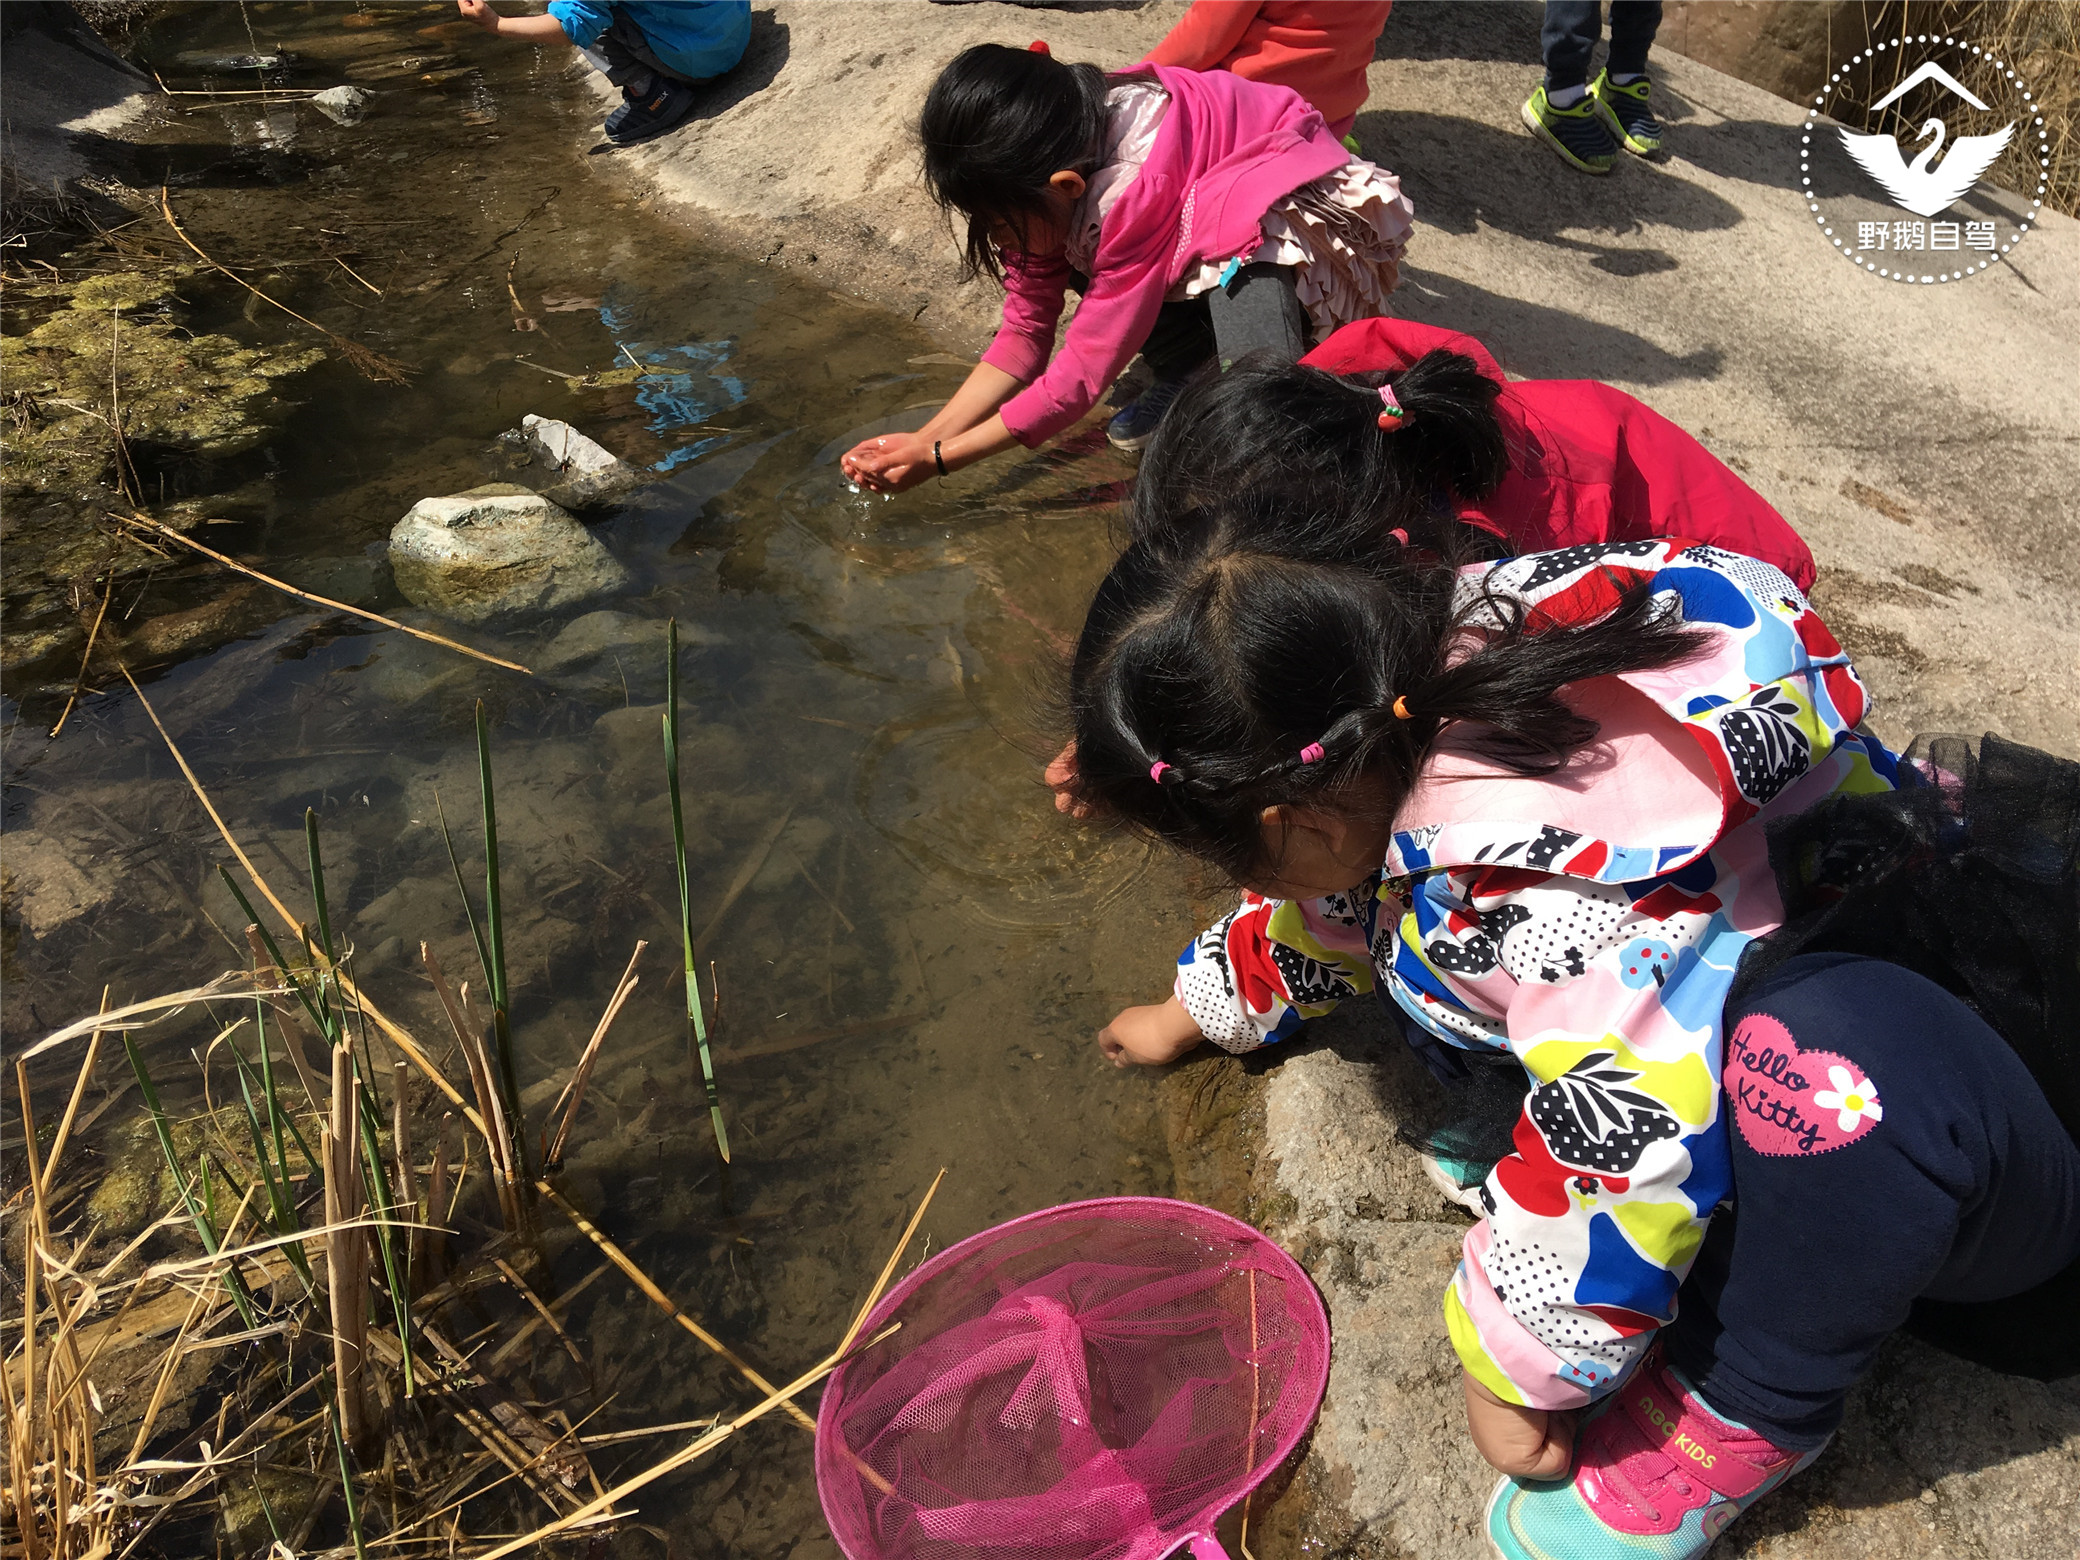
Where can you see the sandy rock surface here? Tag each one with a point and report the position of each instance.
(1922, 439)
(495, 552)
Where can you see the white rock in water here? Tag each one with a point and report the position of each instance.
(587, 472)
(342, 105)
(497, 551)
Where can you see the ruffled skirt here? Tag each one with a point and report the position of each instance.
(1343, 234)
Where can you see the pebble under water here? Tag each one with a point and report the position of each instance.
(920, 950)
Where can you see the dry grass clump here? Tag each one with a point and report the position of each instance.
(2040, 40)
(303, 1310)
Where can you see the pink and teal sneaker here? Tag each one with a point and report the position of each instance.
(1657, 1476)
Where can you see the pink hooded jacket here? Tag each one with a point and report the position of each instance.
(1228, 150)
(1588, 463)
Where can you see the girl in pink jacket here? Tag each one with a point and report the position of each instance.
(1226, 199)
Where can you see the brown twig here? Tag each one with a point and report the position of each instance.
(324, 601)
(372, 365)
(86, 655)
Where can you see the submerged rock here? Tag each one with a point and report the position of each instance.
(342, 105)
(586, 472)
(44, 886)
(497, 551)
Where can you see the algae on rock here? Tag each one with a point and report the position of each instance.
(204, 395)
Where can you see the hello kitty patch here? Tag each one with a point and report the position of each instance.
(1791, 1102)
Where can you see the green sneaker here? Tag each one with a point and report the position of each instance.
(1578, 134)
(1625, 111)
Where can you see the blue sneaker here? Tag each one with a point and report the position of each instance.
(1578, 133)
(1135, 425)
(646, 114)
(1657, 1476)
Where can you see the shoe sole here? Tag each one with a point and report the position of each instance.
(1502, 1488)
(1612, 123)
(1537, 127)
(1467, 1197)
(1129, 446)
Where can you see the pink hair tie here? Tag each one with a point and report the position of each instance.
(1311, 754)
(1157, 770)
(1392, 412)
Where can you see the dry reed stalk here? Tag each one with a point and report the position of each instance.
(519, 1339)
(435, 1245)
(663, 1302)
(134, 518)
(541, 1310)
(407, 1172)
(346, 1248)
(574, 1091)
(396, 1033)
(229, 984)
(498, 1144)
(370, 364)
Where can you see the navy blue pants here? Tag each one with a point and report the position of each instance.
(1573, 26)
(1892, 1160)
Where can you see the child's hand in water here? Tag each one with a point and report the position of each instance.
(480, 12)
(1061, 779)
(1529, 1443)
(889, 463)
(1149, 1036)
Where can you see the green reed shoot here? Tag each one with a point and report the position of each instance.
(346, 1482)
(271, 1152)
(495, 942)
(696, 1022)
(274, 952)
(469, 912)
(205, 1225)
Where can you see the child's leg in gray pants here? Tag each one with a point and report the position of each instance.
(1259, 311)
(624, 55)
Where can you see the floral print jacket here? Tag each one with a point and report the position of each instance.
(1590, 923)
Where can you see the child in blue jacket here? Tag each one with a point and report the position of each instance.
(653, 50)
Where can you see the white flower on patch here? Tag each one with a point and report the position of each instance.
(1852, 1096)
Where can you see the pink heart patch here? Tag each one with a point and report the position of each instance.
(1791, 1102)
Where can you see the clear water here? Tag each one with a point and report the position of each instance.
(912, 973)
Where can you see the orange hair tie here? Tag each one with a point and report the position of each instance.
(1401, 707)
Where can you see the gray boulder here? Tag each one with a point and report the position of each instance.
(495, 552)
(586, 472)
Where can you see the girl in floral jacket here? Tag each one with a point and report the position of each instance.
(1526, 801)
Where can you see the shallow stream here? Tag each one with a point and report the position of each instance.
(919, 951)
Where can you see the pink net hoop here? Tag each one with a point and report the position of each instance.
(1098, 1381)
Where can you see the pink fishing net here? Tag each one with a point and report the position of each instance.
(1098, 1381)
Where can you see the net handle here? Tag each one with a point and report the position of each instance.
(1206, 1547)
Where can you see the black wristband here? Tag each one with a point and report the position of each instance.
(939, 460)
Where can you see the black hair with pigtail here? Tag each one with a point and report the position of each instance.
(996, 126)
(1214, 679)
(1327, 444)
